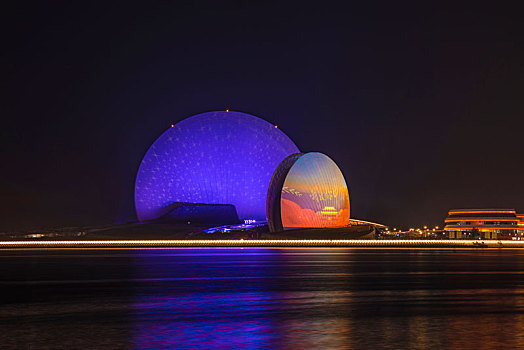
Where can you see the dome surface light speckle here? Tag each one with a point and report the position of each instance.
(213, 158)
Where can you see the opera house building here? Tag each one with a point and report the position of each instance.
(227, 167)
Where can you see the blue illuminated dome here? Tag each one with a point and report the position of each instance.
(212, 158)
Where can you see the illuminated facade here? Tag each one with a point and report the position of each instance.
(307, 190)
(484, 224)
(211, 158)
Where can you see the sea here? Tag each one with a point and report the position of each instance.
(256, 298)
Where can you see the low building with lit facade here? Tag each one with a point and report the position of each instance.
(484, 224)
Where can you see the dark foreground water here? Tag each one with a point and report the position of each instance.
(262, 298)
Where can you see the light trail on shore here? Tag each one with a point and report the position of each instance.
(262, 243)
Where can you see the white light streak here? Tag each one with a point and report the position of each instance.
(262, 243)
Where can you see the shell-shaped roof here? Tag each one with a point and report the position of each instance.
(222, 157)
(308, 190)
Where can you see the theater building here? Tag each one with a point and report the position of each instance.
(484, 224)
(227, 167)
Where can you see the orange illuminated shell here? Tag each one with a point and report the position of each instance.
(308, 191)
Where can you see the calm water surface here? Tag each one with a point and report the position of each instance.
(262, 298)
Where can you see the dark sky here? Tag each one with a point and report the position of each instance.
(421, 107)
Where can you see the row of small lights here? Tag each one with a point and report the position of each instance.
(425, 229)
(241, 242)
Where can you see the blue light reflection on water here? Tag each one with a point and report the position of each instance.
(196, 302)
(221, 322)
(262, 298)
(341, 298)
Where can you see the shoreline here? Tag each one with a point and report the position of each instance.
(261, 243)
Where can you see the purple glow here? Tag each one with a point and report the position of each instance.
(213, 158)
(183, 305)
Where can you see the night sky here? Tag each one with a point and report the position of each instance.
(421, 107)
